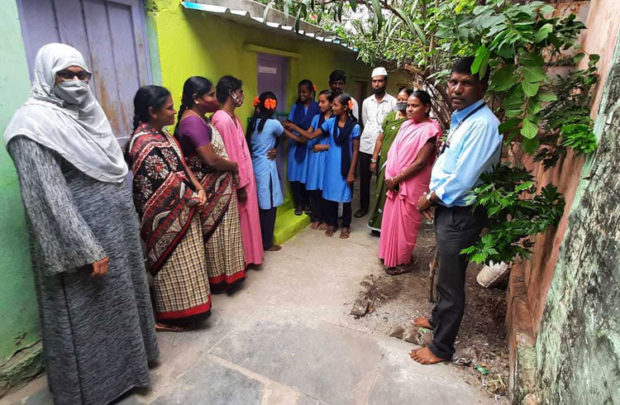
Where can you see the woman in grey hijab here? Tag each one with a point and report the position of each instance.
(95, 310)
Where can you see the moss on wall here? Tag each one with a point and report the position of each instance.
(578, 346)
(19, 315)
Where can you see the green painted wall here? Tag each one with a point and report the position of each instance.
(192, 42)
(19, 314)
(197, 43)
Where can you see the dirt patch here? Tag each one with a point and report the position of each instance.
(386, 304)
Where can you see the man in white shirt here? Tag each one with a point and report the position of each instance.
(337, 84)
(374, 110)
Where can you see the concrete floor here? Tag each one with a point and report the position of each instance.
(287, 338)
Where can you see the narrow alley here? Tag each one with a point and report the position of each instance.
(287, 337)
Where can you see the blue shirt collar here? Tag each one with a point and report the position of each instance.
(457, 116)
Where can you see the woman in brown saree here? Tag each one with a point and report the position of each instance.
(206, 156)
(168, 196)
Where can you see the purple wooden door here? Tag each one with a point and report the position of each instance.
(111, 36)
(271, 76)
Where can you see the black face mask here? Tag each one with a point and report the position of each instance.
(401, 106)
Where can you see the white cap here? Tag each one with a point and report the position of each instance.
(379, 71)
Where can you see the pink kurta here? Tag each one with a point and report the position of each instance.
(237, 149)
(401, 219)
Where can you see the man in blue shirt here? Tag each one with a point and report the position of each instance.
(473, 147)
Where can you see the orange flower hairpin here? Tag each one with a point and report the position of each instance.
(314, 87)
(256, 101)
(270, 104)
(351, 105)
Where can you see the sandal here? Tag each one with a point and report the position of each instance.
(345, 233)
(315, 225)
(395, 271)
(162, 327)
(323, 226)
(298, 211)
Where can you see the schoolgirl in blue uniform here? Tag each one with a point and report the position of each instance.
(316, 159)
(262, 136)
(301, 114)
(340, 161)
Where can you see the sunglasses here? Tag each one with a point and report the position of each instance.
(68, 75)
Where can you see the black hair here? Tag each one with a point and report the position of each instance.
(424, 97)
(344, 99)
(309, 85)
(146, 97)
(407, 90)
(195, 85)
(337, 75)
(327, 93)
(463, 66)
(225, 86)
(261, 112)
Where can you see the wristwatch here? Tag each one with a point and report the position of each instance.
(373, 160)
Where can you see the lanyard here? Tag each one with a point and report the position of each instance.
(457, 126)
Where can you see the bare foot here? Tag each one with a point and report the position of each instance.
(345, 233)
(274, 248)
(424, 355)
(330, 231)
(323, 226)
(422, 322)
(315, 225)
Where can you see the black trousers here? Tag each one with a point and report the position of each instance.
(316, 205)
(300, 195)
(267, 224)
(456, 228)
(330, 211)
(365, 176)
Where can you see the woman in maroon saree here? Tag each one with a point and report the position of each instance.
(167, 197)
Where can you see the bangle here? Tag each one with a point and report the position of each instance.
(373, 160)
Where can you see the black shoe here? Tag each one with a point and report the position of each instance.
(360, 213)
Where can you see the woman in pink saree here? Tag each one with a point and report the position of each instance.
(229, 93)
(407, 175)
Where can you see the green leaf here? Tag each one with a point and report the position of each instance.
(578, 57)
(530, 59)
(413, 27)
(534, 74)
(509, 124)
(535, 107)
(546, 96)
(530, 145)
(530, 89)
(481, 61)
(543, 32)
(377, 9)
(503, 78)
(528, 129)
(352, 3)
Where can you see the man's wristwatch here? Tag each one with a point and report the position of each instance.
(373, 160)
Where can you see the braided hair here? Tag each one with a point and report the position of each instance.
(262, 113)
(194, 86)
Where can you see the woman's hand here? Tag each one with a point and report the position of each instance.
(272, 154)
(351, 178)
(391, 183)
(242, 195)
(373, 167)
(320, 148)
(202, 197)
(100, 267)
(235, 168)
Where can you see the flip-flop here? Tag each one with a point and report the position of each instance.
(162, 327)
(395, 271)
(330, 231)
(345, 233)
(298, 212)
